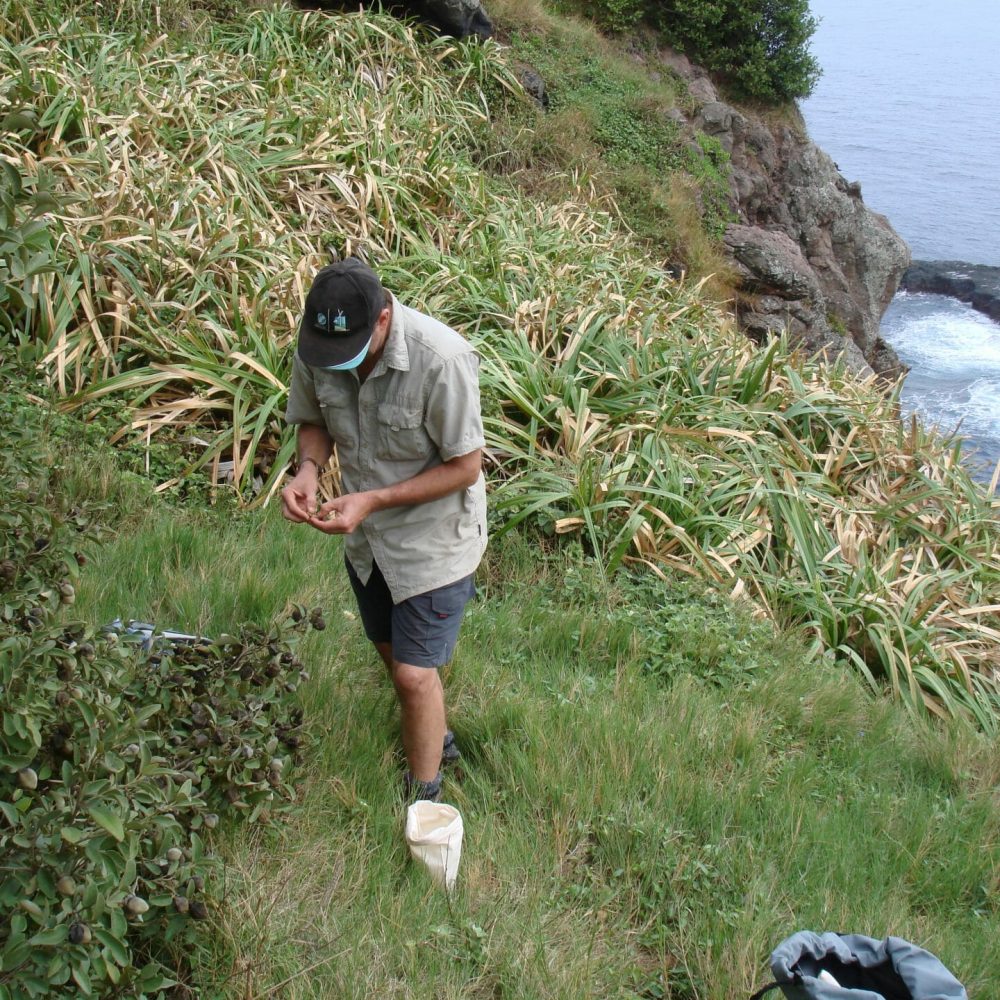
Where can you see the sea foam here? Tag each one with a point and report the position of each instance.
(954, 355)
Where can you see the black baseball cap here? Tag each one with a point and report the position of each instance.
(341, 311)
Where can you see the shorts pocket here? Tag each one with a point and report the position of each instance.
(451, 600)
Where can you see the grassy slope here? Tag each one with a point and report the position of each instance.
(633, 828)
(627, 833)
(620, 404)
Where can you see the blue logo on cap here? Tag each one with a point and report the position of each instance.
(321, 320)
(340, 322)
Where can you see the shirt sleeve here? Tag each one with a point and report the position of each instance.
(303, 407)
(453, 417)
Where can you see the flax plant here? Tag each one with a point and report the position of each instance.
(209, 182)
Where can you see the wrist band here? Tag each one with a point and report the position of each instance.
(302, 461)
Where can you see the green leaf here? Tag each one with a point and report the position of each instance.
(14, 762)
(17, 121)
(83, 980)
(116, 947)
(108, 821)
(50, 937)
(71, 835)
(88, 714)
(13, 955)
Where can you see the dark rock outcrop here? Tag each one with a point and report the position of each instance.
(977, 284)
(534, 85)
(811, 258)
(460, 18)
(455, 17)
(781, 293)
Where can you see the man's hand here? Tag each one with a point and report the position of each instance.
(298, 498)
(342, 515)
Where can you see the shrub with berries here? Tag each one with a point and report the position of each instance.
(119, 756)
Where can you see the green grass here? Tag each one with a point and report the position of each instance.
(655, 792)
(621, 406)
(659, 785)
(608, 119)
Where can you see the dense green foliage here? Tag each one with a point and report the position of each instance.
(26, 249)
(115, 760)
(611, 119)
(658, 783)
(620, 405)
(760, 48)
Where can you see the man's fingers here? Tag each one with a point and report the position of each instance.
(329, 526)
(295, 505)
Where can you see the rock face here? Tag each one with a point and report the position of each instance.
(810, 256)
(455, 17)
(460, 18)
(782, 292)
(976, 284)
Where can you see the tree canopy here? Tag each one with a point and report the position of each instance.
(760, 48)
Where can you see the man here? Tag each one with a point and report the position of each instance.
(398, 394)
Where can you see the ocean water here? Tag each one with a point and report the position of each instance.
(909, 105)
(937, 337)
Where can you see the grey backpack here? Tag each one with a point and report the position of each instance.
(809, 966)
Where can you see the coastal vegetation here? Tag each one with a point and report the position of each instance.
(621, 404)
(711, 559)
(658, 786)
(759, 48)
(119, 752)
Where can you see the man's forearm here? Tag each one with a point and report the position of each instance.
(314, 444)
(432, 484)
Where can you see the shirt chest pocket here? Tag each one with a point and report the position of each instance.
(400, 433)
(339, 415)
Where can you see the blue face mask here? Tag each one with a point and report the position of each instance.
(354, 362)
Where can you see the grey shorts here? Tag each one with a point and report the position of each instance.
(423, 629)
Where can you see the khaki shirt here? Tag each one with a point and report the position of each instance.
(418, 408)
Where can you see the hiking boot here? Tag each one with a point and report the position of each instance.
(416, 791)
(451, 753)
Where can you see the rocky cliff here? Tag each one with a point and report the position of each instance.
(810, 257)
